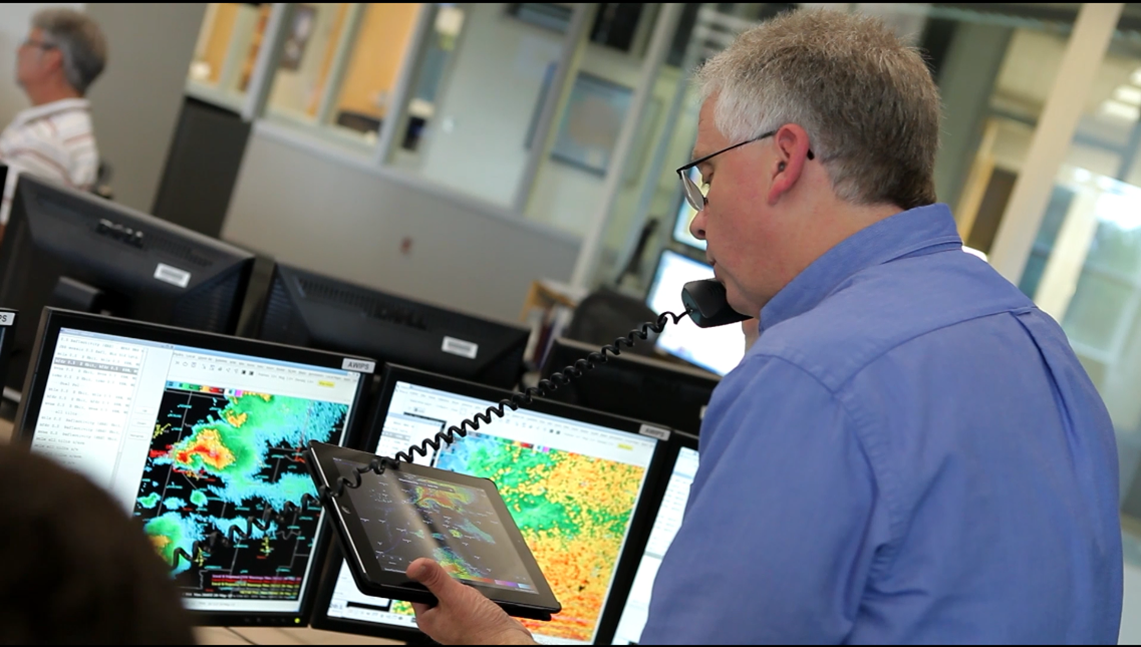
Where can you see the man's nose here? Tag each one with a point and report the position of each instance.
(697, 225)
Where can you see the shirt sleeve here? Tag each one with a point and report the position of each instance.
(40, 158)
(783, 522)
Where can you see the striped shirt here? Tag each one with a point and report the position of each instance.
(54, 141)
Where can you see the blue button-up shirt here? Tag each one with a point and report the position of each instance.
(910, 452)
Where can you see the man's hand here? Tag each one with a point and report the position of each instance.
(463, 616)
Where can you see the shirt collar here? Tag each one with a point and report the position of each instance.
(47, 109)
(923, 229)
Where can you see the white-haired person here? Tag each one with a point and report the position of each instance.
(64, 53)
(910, 452)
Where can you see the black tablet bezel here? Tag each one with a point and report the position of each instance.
(643, 512)
(616, 603)
(53, 320)
(372, 579)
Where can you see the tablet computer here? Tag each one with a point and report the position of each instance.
(410, 511)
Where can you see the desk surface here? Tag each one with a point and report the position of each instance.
(259, 635)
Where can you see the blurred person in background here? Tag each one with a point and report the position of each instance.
(55, 65)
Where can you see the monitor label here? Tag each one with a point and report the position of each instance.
(172, 275)
(7, 318)
(661, 433)
(358, 365)
(460, 347)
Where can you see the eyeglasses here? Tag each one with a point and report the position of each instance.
(695, 193)
(37, 43)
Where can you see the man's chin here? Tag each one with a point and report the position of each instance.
(740, 305)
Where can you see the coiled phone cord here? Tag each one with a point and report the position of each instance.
(288, 517)
(542, 389)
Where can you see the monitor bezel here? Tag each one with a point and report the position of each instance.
(616, 603)
(635, 539)
(673, 368)
(53, 320)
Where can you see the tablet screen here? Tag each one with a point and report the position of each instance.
(409, 516)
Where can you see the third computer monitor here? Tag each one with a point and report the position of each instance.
(305, 308)
(627, 613)
(580, 484)
(645, 388)
(717, 350)
(71, 249)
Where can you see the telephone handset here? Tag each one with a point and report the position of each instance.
(705, 300)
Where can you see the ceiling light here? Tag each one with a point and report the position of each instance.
(1128, 94)
(1121, 110)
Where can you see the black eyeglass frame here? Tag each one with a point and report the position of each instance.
(691, 190)
(39, 44)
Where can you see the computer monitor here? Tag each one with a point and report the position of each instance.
(71, 249)
(634, 386)
(579, 484)
(305, 308)
(196, 433)
(717, 350)
(684, 216)
(626, 614)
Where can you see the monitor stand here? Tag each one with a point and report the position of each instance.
(68, 293)
(75, 295)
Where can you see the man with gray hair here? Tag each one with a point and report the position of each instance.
(910, 452)
(63, 54)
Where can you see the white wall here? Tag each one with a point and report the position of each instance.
(15, 23)
(566, 196)
(135, 103)
(475, 141)
(349, 221)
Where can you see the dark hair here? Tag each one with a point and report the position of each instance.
(74, 566)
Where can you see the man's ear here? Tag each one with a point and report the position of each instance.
(792, 153)
(53, 58)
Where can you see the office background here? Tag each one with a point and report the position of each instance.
(456, 153)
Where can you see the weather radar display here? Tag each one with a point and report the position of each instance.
(227, 463)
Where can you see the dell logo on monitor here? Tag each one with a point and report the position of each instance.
(119, 232)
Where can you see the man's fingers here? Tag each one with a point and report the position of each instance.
(431, 575)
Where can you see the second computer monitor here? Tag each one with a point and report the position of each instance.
(71, 249)
(579, 484)
(305, 308)
(718, 349)
(669, 394)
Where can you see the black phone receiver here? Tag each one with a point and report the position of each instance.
(707, 304)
